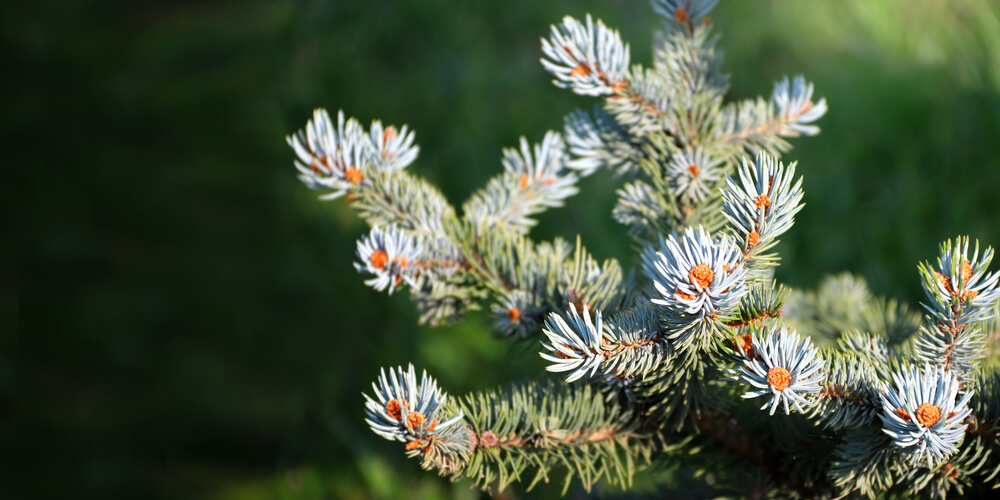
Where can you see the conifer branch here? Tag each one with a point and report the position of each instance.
(533, 180)
(874, 399)
(543, 426)
(760, 125)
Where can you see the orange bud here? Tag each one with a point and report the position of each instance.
(379, 259)
(580, 70)
(779, 378)
(681, 14)
(353, 175)
(702, 275)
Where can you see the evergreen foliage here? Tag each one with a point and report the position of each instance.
(656, 360)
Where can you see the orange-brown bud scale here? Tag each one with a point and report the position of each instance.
(394, 409)
(564, 355)
(401, 262)
(928, 414)
(901, 413)
(945, 282)
(524, 181)
(681, 15)
(701, 275)
(416, 443)
(753, 239)
(580, 70)
(762, 201)
(320, 165)
(415, 419)
(387, 135)
(693, 169)
(514, 314)
(379, 259)
(949, 470)
(779, 378)
(353, 175)
(744, 343)
(488, 440)
(550, 181)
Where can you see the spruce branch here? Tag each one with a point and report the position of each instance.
(636, 343)
(959, 289)
(865, 462)
(694, 175)
(958, 350)
(658, 363)
(641, 207)
(534, 179)
(684, 14)
(778, 364)
(956, 474)
(542, 426)
(686, 58)
(761, 207)
(500, 436)
(389, 255)
(985, 410)
(329, 157)
(631, 344)
(922, 415)
(600, 142)
(528, 281)
(589, 59)
(849, 394)
(404, 410)
(641, 104)
(961, 296)
(698, 275)
(870, 347)
(516, 314)
(576, 344)
(760, 125)
(368, 168)
(762, 302)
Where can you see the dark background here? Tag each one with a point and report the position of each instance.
(183, 319)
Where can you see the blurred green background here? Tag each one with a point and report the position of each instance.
(184, 321)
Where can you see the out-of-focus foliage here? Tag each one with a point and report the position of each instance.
(182, 320)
